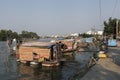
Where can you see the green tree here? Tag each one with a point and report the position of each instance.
(3, 35)
(26, 34)
(84, 35)
(119, 27)
(110, 27)
(9, 33)
(15, 35)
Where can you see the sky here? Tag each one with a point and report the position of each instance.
(56, 17)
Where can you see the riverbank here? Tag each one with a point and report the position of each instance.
(103, 70)
(106, 69)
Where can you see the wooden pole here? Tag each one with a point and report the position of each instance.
(116, 28)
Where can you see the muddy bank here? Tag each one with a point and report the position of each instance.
(105, 69)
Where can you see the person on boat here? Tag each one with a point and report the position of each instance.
(103, 45)
(19, 42)
(62, 45)
(51, 47)
(73, 43)
(9, 42)
(95, 56)
(59, 48)
(14, 44)
(35, 56)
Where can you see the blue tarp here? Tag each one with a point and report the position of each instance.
(112, 42)
(89, 40)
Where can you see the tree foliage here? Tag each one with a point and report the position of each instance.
(4, 34)
(26, 34)
(84, 35)
(110, 26)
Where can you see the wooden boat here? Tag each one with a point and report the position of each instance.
(68, 50)
(50, 63)
(54, 62)
(71, 46)
(26, 50)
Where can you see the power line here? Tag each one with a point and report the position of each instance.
(100, 15)
(114, 8)
(100, 11)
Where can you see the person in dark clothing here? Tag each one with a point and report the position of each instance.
(9, 42)
(35, 57)
(63, 46)
(51, 51)
(95, 55)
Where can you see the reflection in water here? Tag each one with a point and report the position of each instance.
(12, 70)
(8, 67)
(38, 73)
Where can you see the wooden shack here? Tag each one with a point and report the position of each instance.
(26, 53)
(26, 50)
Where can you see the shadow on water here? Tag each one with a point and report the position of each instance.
(73, 68)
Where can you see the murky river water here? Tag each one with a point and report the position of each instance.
(10, 69)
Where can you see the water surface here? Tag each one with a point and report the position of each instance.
(10, 69)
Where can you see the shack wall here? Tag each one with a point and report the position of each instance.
(26, 53)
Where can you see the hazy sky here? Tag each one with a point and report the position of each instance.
(46, 17)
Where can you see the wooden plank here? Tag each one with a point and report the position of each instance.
(26, 56)
(26, 53)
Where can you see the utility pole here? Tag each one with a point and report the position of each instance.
(116, 28)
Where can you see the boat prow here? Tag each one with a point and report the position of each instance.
(50, 63)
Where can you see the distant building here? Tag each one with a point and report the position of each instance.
(100, 32)
(55, 36)
(75, 34)
(95, 32)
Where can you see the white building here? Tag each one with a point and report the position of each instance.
(95, 32)
(100, 32)
(75, 34)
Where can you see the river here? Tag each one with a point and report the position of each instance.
(10, 69)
